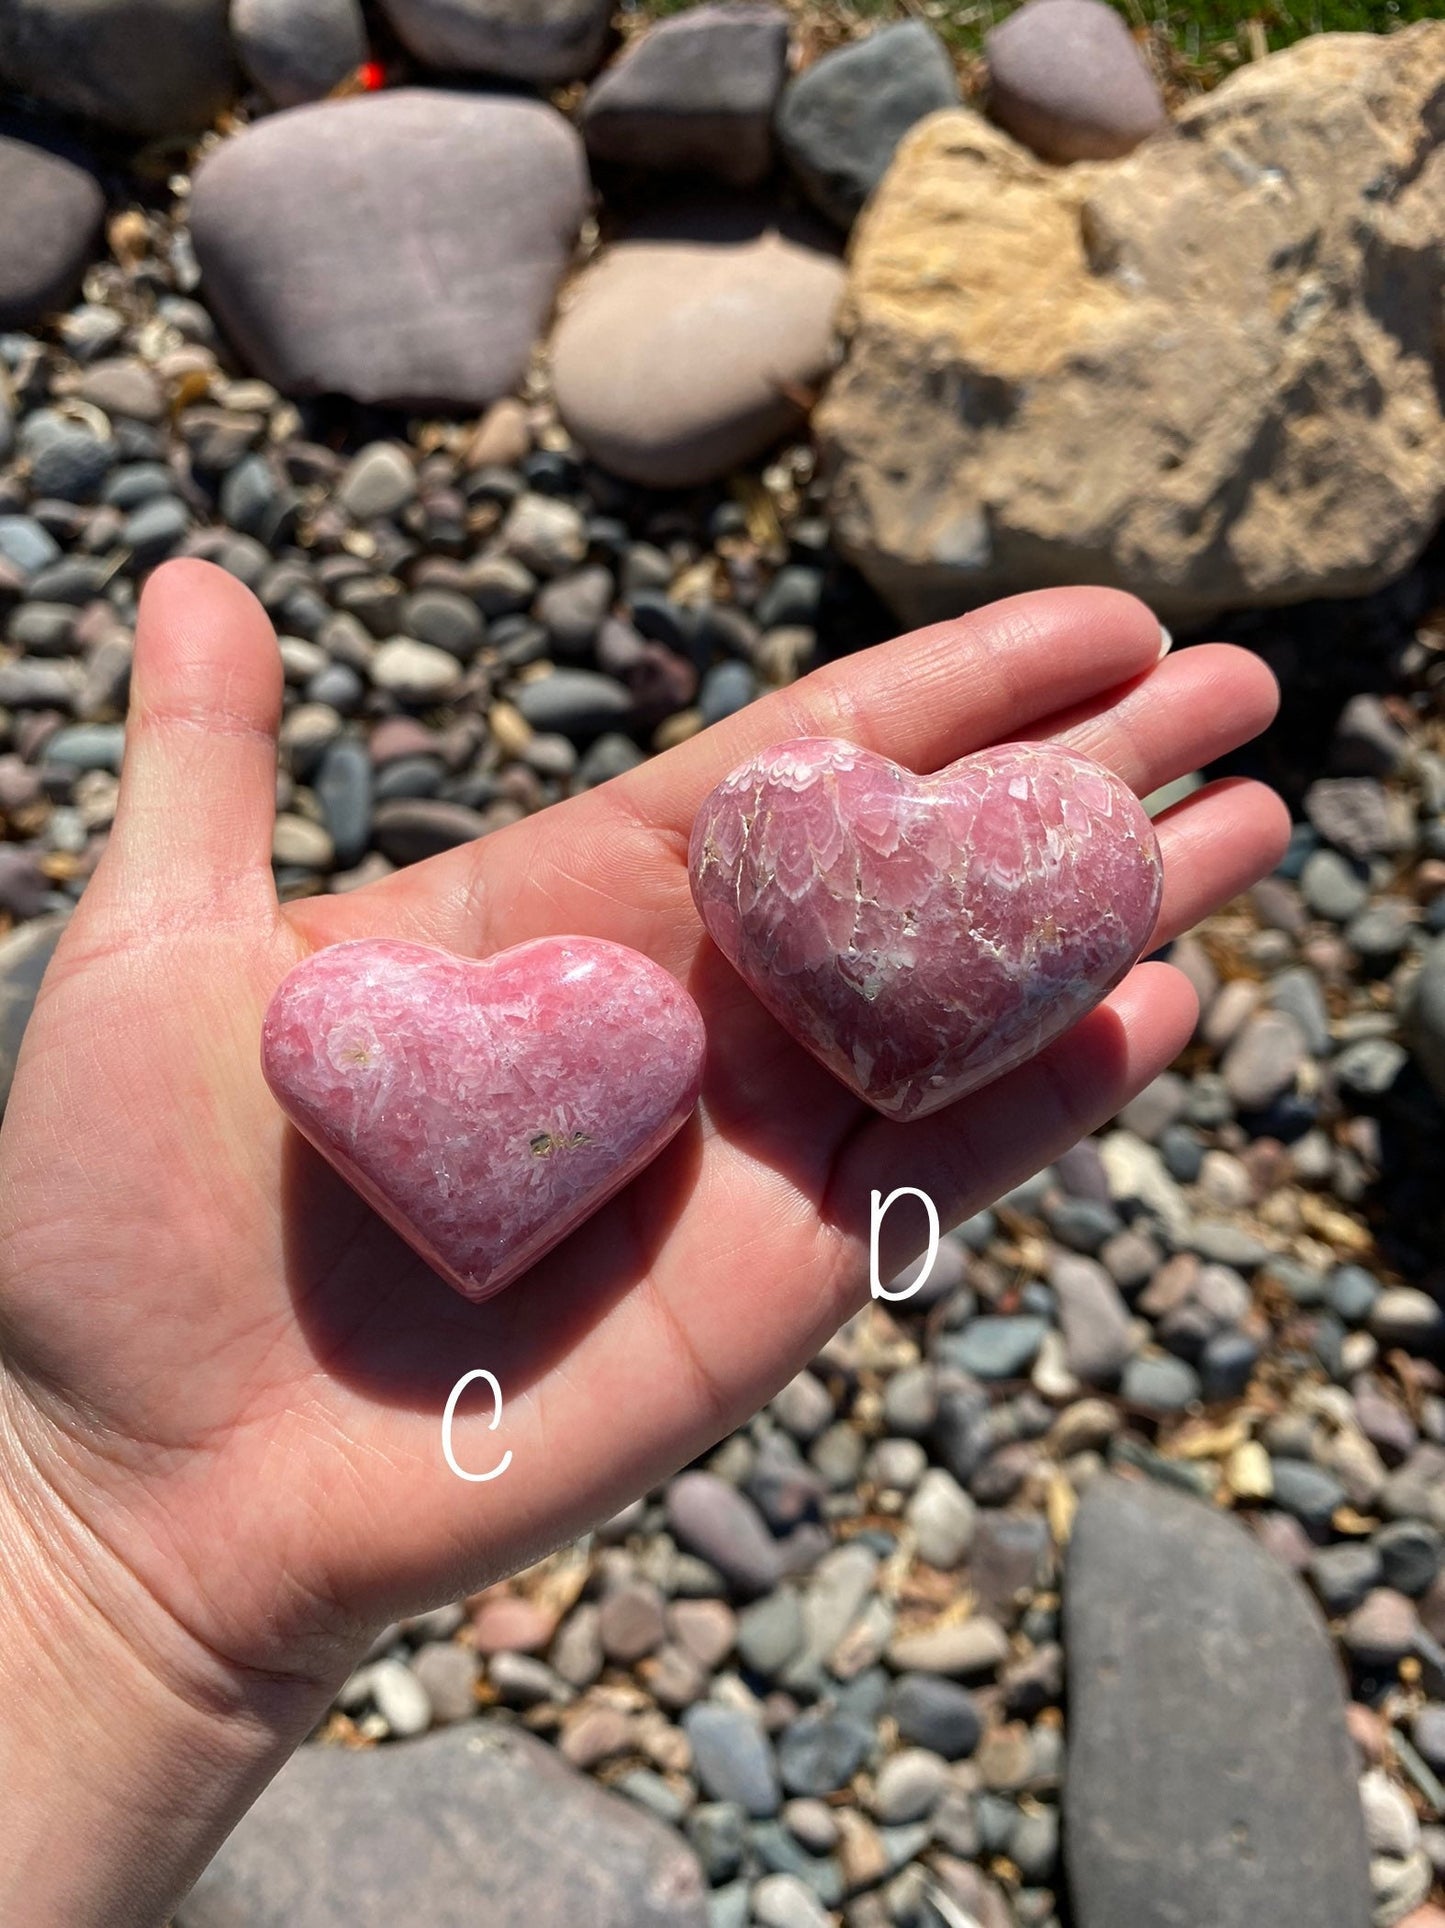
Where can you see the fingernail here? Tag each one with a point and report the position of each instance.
(1166, 643)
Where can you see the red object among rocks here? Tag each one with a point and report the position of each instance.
(922, 935)
(484, 1108)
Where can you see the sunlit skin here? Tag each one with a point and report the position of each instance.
(224, 1378)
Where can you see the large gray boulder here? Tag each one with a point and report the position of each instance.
(840, 121)
(546, 42)
(401, 248)
(1210, 1773)
(694, 95)
(298, 52)
(480, 1823)
(145, 67)
(51, 210)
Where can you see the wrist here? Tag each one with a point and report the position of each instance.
(127, 1751)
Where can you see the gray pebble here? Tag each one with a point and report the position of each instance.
(999, 1347)
(88, 746)
(936, 1714)
(25, 543)
(344, 791)
(726, 689)
(718, 1831)
(770, 1632)
(71, 464)
(446, 621)
(732, 1758)
(1410, 1556)
(408, 830)
(821, 1751)
(574, 702)
(1343, 1575)
(1159, 1384)
(1333, 887)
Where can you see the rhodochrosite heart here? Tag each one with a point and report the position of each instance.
(922, 935)
(484, 1109)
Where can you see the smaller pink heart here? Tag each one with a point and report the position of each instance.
(484, 1109)
(924, 935)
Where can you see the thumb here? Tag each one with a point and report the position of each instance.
(197, 801)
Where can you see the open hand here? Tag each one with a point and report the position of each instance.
(224, 1376)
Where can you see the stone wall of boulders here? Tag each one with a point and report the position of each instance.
(1200, 358)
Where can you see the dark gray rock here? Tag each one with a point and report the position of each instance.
(420, 262)
(155, 531)
(1200, 1678)
(298, 53)
(937, 1714)
(51, 209)
(840, 121)
(1066, 79)
(999, 1347)
(24, 955)
(1308, 1492)
(1343, 1575)
(410, 829)
(575, 702)
(695, 95)
(343, 785)
(143, 66)
(546, 41)
(478, 1823)
(822, 1750)
(1410, 1556)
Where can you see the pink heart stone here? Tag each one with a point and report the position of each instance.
(923, 935)
(484, 1108)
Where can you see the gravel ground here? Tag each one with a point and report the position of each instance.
(830, 1654)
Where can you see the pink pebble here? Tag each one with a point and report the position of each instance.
(484, 1108)
(924, 935)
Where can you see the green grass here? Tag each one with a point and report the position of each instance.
(1196, 40)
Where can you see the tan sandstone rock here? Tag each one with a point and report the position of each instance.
(1211, 372)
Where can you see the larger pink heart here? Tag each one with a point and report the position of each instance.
(484, 1109)
(923, 935)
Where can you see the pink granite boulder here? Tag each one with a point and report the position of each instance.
(484, 1109)
(924, 935)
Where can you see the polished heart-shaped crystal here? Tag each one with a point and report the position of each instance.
(922, 935)
(485, 1109)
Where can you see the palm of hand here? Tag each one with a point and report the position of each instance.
(229, 1375)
